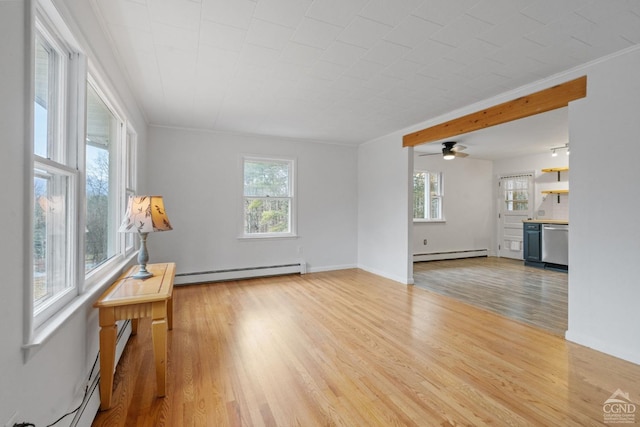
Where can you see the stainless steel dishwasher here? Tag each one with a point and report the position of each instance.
(555, 243)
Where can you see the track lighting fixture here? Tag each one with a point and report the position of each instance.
(554, 150)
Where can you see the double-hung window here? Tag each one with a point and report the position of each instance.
(427, 196)
(55, 175)
(84, 167)
(268, 197)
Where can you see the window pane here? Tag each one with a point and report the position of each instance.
(44, 66)
(266, 215)
(419, 194)
(435, 208)
(51, 231)
(516, 194)
(266, 178)
(434, 184)
(102, 132)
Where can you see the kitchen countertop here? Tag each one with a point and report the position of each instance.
(547, 221)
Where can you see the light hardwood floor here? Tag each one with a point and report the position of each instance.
(502, 285)
(349, 348)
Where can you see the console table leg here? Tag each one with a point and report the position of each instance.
(159, 335)
(170, 313)
(108, 333)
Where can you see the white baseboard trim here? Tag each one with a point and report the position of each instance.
(331, 268)
(596, 344)
(219, 275)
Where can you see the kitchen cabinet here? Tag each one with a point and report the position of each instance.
(546, 243)
(532, 244)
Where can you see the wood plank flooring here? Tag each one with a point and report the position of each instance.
(349, 348)
(505, 286)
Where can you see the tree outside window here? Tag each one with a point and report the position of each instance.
(268, 196)
(427, 195)
(103, 128)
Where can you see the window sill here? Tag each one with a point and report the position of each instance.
(42, 334)
(430, 221)
(268, 237)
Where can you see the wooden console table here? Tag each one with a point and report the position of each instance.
(130, 298)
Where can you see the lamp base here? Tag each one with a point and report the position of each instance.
(143, 258)
(142, 273)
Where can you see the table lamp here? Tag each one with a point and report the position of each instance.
(144, 214)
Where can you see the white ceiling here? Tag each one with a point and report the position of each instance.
(347, 70)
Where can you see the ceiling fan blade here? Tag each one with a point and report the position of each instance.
(458, 148)
(459, 154)
(429, 154)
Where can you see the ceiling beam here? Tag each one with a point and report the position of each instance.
(539, 102)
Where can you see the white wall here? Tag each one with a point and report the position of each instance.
(468, 206)
(14, 72)
(385, 172)
(200, 177)
(604, 244)
(545, 206)
(52, 381)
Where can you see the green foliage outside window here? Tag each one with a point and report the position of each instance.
(267, 196)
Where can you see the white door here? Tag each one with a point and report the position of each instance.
(515, 204)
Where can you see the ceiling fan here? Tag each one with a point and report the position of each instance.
(450, 150)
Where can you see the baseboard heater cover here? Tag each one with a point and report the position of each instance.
(239, 273)
(435, 256)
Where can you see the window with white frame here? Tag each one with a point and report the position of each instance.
(268, 197)
(104, 136)
(516, 192)
(55, 175)
(76, 146)
(427, 196)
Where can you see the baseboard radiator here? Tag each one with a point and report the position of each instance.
(434, 256)
(91, 402)
(240, 273)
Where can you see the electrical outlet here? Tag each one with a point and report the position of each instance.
(12, 420)
(424, 242)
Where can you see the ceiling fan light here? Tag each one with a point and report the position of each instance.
(448, 154)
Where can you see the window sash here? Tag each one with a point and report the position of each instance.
(267, 215)
(51, 95)
(54, 228)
